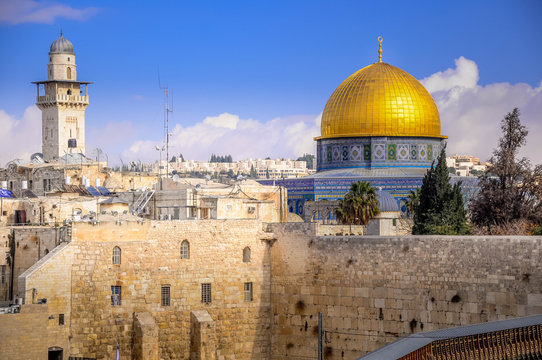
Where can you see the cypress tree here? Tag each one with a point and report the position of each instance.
(253, 173)
(440, 209)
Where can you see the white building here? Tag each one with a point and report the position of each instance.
(464, 164)
(276, 168)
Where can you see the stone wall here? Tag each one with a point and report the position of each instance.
(49, 209)
(372, 290)
(31, 244)
(23, 336)
(5, 268)
(150, 259)
(146, 344)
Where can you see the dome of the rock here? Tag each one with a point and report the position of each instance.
(380, 100)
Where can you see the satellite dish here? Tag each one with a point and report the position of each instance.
(239, 177)
(174, 172)
(175, 177)
(37, 156)
(157, 147)
(207, 177)
(198, 187)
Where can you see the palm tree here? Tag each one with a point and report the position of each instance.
(413, 201)
(360, 204)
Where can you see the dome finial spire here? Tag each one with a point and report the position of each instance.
(380, 38)
(60, 31)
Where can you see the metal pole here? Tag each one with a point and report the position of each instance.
(167, 133)
(320, 337)
(160, 169)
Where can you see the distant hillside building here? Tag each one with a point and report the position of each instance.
(62, 101)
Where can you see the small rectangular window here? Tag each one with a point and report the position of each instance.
(248, 291)
(165, 295)
(115, 295)
(206, 293)
(60, 319)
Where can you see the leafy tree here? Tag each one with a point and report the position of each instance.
(309, 158)
(360, 204)
(510, 190)
(440, 209)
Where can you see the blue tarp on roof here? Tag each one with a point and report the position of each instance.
(6, 193)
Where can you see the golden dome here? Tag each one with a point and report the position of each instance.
(380, 100)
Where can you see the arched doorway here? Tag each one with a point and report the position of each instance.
(56, 353)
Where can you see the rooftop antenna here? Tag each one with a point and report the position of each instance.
(166, 122)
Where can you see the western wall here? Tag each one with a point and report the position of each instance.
(374, 289)
(370, 290)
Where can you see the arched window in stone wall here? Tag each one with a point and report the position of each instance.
(246, 254)
(69, 73)
(185, 250)
(116, 255)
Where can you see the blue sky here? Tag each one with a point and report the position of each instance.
(265, 69)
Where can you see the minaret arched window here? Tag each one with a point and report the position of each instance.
(246, 254)
(69, 73)
(185, 250)
(116, 255)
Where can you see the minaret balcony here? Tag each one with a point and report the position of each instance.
(69, 99)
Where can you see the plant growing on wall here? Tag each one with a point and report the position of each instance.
(440, 208)
(360, 204)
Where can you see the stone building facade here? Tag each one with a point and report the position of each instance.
(177, 304)
(77, 279)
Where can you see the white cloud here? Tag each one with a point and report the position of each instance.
(20, 138)
(465, 75)
(470, 116)
(470, 113)
(224, 120)
(242, 138)
(45, 12)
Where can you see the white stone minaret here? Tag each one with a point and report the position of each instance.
(62, 103)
